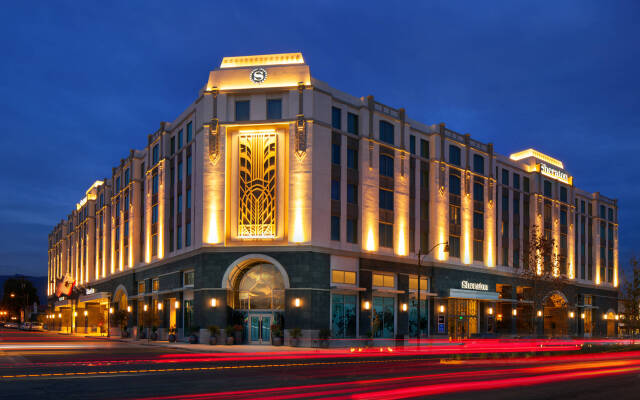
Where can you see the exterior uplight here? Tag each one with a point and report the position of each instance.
(539, 313)
(404, 306)
(145, 307)
(441, 308)
(297, 302)
(128, 308)
(159, 306)
(214, 302)
(515, 312)
(86, 313)
(571, 314)
(490, 311)
(367, 305)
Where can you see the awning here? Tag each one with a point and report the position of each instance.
(473, 294)
(348, 287)
(388, 291)
(93, 297)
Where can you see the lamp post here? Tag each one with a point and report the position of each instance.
(420, 255)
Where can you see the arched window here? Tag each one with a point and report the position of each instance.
(261, 287)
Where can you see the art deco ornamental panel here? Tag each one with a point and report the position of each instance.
(257, 186)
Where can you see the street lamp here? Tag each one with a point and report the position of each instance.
(420, 255)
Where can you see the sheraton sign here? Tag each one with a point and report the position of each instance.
(554, 173)
(474, 286)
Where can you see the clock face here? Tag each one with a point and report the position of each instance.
(258, 75)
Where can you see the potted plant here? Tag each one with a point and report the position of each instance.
(276, 335)
(193, 338)
(295, 334)
(323, 335)
(172, 334)
(229, 331)
(119, 319)
(237, 334)
(154, 333)
(213, 331)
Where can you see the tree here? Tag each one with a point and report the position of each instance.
(630, 298)
(19, 293)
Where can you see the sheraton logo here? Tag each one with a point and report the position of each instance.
(474, 285)
(554, 173)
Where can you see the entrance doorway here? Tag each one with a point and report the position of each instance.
(555, 316)
(260, 328)
(463, 318)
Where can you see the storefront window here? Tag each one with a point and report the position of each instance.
(413, 316)
(383, 313)
(188, 316)
(463, 318)
(343, 315)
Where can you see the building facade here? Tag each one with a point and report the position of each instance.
(277, 199)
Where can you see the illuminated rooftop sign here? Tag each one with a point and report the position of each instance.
(555, 173)
(536, 154)
(262, 60)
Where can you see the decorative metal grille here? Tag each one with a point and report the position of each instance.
(257, 186)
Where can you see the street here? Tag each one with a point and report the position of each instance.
(45, 365)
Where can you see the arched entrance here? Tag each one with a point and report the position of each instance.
(556, 315)
(120, 300)
(256, 287)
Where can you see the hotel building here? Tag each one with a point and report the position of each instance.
(277, 199)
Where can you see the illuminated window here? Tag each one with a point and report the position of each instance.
(346, 277)
(141, 287)
(382, 280)
(257, 186)
(155, 285)
(189, 278)
(413, 283)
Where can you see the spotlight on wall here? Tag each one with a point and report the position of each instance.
(571, 314)
(490, 311)
(145, 307)
(367, 305)
(582, 315)
(176, 304)
(297, 302)
(214, 302)
(128, 308)
(404, 306)
(160, 306)
(110, 310)
(617, 317)
(515, 312)
(539, 313)
(59, 315)
(441, 308)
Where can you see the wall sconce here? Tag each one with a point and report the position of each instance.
(59, 315)
(572, 314)
(297, 302)
(617, 317)
(145, 307)
(604, 316)
(441, 308)
(159, 306)
(176, 304)
(214, 302)
(75, 314)
(110, 310)
(582, 315)
(86, 313)
(367, 305)
(539, 313)
(128, 308)
(490, 311)
(404, 306)
(515, 312)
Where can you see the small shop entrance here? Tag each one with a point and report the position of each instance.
(259, 328)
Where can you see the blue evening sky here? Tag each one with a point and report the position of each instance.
(85, 81)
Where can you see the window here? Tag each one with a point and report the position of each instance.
(346, 277)
(155, 285)
(335, 153)
(274, 109)
(478, 250)
(610, 214)
(602, 212)
(336, 118)
(413, 283)
(180, 171)
(582, 207)
(352, 193)
(454, 155)
(385, 232)
(173, 145)
(505, 177)
(189, 131)
(478, 191)
(454, 215)
(343, 315)
(188, 199)
(243, 110)
(154, 214)
(352, 230)
(154, 184)
(180, 203)
(382, 280)
(386, 132)
(180, 139)
(386, 199)
(516, 181)
(478, 164)
(156, 154)
(547, 188)
(454, 246)
(352, 158)
(141, 287)
(335, 227)
(412, 144)
(478, 220)
(335, 190)
(352, 123)
(187, 238)
(386, 166)
(189, 278)
(126, 177)
(454, 184)
(189, 165)
(424, 148)
(117, 184)
(525, 184)
(179, 238)
(563, 194)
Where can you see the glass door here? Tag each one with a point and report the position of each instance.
(260, 328)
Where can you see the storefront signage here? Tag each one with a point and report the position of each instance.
(554, 173)
(91, 291)
(474, 286)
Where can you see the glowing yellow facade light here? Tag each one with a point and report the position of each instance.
(128, 308)
(572, 314)
(214, 303)
(490, 311)
(515, 312)
(441, 308)
(110, 310)
(297, 302)
(371, 242)
(402, 245)
(539, 313)
(86, 313)
(404, 307)
(536, 154)
(145, 307)
(159, 306)
(262, 60)
(582, 315)
(176, 304)
(366, 305)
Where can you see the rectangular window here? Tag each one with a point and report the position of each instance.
(478, 191)
(189, 131)
(126, 177)
(352, 193)
(454, 155)
(386, 199)
(610, 211)
(352, 230)
(352, 123)
(382, 280)
(505, 177)
(187, 238)
(352, 158)
(243, 110)
(412, 144)
(563, 194)
(345, 277)
(189, 278)
(179, 139)
(525, 184)
(188, 165)
(602, 212)
(386, 132)
(336, 118)
(141, 287)
(478, 250)
(173, 145)
(154, 214)
(385, 232)
(335, 153)
(156, 154)
(154, 184)
(155, 285)
(454, 184)
(547, 188)
(478, 220)
(478, 164)
(180, 171)
(180, 203)
(386, 166)
(454, 246)
(188, 199)
(335, 227)
(413, 283)
(424, 148)
(454, 214)
(516, 181)
(274, 109)
(179, 238)
(117, 184)
(335, 190)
